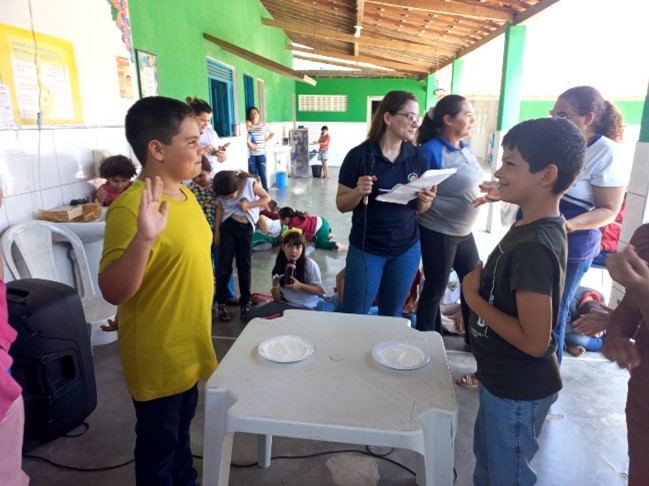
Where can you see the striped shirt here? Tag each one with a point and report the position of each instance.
(260, 132)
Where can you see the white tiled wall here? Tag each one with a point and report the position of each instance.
(636, 211)
(47, 168)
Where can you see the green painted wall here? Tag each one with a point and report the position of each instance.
(173, 31)
(357, 90)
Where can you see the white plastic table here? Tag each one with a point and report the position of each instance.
(338, 394)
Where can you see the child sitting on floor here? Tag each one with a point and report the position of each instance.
(302, 290)
(586, 329)
(118, 171)
(314, 228)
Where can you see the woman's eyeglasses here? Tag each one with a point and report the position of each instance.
(412, 117)
(561, 115)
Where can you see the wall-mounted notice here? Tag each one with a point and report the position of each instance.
(41, 73)
(6, 113)
(125, 77)
(147, 64)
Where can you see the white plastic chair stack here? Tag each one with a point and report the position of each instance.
(34, 240)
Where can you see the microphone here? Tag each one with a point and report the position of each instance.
(289, 272)
(368, 165)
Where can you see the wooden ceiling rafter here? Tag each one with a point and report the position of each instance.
(449, 7)
(387, 73)
(422, 34)
(360, 12)
(313, 31)
(420, 15)
(397, 66)
(260, 60)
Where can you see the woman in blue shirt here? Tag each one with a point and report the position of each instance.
(596, 196)
(446, 228)
(384, 250)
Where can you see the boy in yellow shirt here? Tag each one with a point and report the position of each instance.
(156, 267)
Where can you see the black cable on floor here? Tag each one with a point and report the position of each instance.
(342, 451)
(86, 427)
(80, 469)
(367, 452)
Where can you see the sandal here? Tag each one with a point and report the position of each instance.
(470, 380)
(224, 315)
(244, 313)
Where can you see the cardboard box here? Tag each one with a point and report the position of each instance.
(60, 214)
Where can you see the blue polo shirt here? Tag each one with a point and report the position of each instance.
(390, 228)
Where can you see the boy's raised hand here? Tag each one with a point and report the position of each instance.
(152, 216)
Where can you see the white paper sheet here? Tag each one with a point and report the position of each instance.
(403, 193)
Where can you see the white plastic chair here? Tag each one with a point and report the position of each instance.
(35, 240)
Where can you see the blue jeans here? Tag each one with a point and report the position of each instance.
(215, 267)
(574, 274)
(257, 166)
(163, 456)
(587, 342)
(367, 274)
(505, 439)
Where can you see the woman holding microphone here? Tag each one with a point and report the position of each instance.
(384, 248)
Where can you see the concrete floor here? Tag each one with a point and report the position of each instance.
(583, 440)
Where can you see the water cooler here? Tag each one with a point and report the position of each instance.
(299, 142)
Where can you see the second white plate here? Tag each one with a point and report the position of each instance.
(399, 355)
(286, 349)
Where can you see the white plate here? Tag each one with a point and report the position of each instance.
(399, 355)
(286, 349)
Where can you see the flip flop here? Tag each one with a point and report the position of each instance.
(470, 380)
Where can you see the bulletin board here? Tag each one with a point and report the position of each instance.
(41, 76)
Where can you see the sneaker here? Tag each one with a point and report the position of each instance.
(224, 315)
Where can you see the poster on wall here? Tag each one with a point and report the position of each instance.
(6, 112)
(43, 80)
(124, 76)
(148, 70)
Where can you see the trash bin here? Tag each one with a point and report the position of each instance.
(282, 154)
(281, 180)
(316, 165)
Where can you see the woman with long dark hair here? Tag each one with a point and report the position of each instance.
(384, 250)
(446, 228)
(596, 196)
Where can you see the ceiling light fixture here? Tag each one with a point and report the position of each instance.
(358, 30)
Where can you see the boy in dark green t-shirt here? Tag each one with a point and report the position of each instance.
(515, 300)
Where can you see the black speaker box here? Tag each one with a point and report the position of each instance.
(52, 357)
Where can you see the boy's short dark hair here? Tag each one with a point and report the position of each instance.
(154, 118)
(547, 141)
(117, 166)
(324, 127)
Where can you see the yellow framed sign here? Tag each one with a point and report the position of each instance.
(42, 77)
